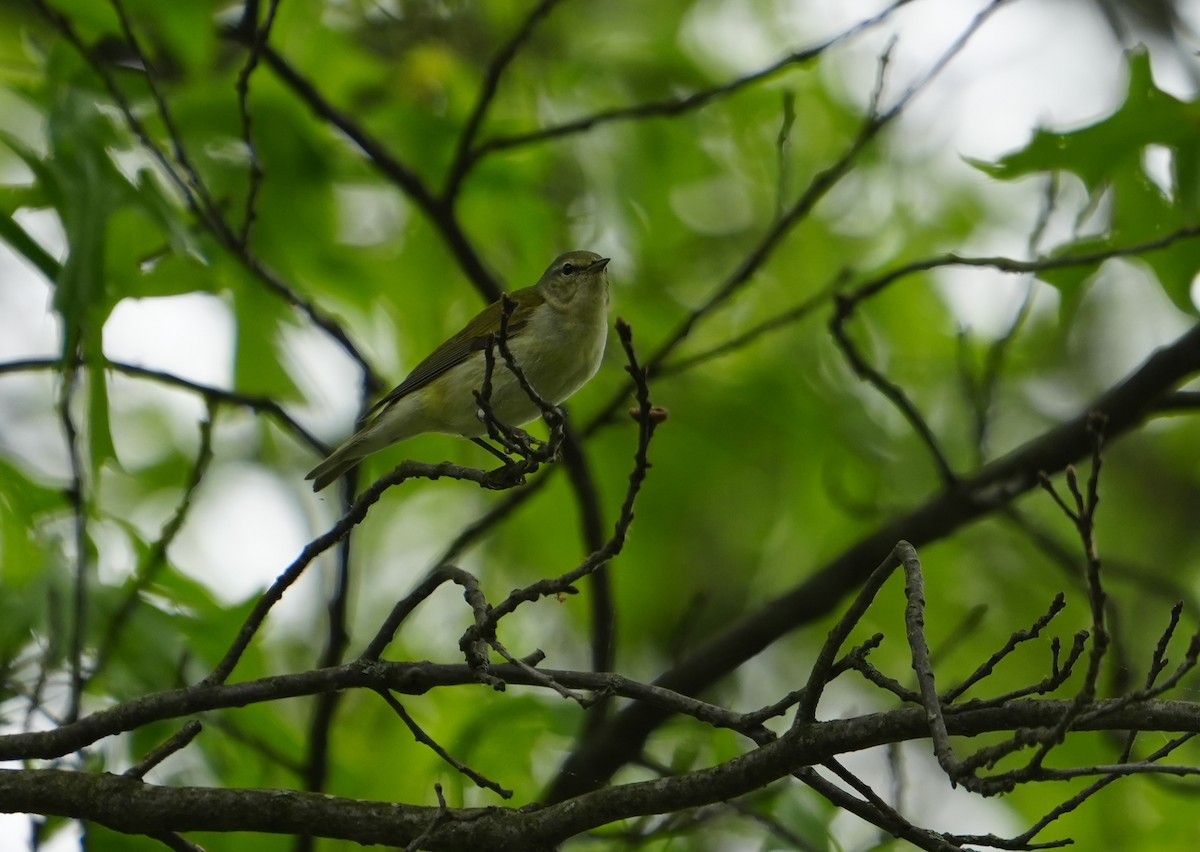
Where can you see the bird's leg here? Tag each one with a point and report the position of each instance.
(497, 453)
(528, 440)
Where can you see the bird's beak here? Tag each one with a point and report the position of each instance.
(597, 265)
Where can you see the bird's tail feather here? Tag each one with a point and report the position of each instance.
(394, 423)
(339, 461)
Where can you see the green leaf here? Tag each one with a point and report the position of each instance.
(1148, 116)
(99, 432)
(1109, 157)
(90, 188)
(257, 367)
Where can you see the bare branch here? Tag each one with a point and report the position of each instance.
(1056, 606)
(819, 675)
(464, 156)
(440, 212)
(155, 559)
(178, 741)
(420, 736)
(257, 40)
(1126, 405)
(504, 477)
(678, 106)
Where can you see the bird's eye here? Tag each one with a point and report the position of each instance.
(568, 269)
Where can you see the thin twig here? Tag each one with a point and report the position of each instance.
(1092, 789)
(818, 675)
(196, 191)
(405, 606)
(598, 558)
(505, 477)
(751, 335)
(886, 818)
(440, 818)
(678, 106)
(463, 159)
(891, 391)
(539, 677)
(420, 736)
(1084, 519)
(205, 211)
(337, 638)
(78, 503)
(510, 437)
(984, 394)
(602, 608)
(155, 559)
(176, 842)
(178, 741)
(914, 622)
(259, 38)
(874, 286)
(440, 213)
(260, 404)
(820, 184)
(985, 669)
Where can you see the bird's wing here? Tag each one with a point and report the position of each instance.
(458, 348)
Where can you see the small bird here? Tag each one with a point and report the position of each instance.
(556, 335)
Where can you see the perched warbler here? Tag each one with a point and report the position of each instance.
(555, 333)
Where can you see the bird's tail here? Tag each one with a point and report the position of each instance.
(338, 462)
(397, 421)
